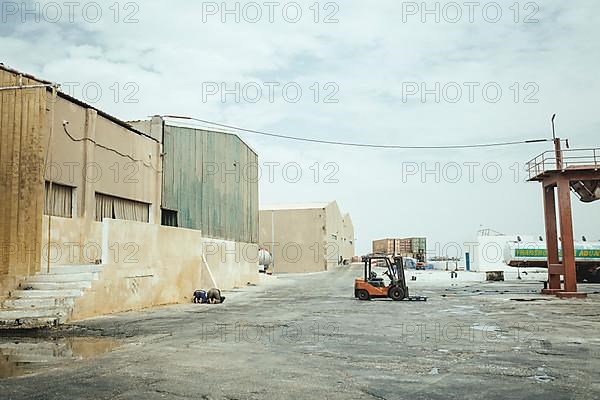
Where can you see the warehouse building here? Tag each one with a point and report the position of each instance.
(209, 181)
(86, 195)
(306, 237)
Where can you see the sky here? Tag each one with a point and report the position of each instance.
(390, 73)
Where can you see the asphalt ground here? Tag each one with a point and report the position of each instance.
(306, 337)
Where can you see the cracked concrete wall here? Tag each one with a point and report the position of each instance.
(93, 154)
(145, 265)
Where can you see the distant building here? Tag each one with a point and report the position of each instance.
(306, 237)
(86, 197)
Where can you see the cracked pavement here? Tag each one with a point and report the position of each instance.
(305, 336)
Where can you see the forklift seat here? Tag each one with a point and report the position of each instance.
(377, 282)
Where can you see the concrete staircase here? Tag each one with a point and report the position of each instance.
(47, 299)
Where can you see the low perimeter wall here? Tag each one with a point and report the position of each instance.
(145, 265)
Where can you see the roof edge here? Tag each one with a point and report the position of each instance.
(209, 129)
(6, 68)
(77, 101)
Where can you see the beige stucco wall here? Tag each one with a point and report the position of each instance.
(299, 239)
(73, 241)
(86, 163)
(340, 235)
(145, 265)
(334, 235)
(81, 161)
(307, 239)
(233, 264)
(348, 246)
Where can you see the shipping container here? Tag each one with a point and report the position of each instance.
(408, 247)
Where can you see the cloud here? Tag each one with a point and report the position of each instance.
(368, 57)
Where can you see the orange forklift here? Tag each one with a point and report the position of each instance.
(372, 286)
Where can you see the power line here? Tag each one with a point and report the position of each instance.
(368, 145)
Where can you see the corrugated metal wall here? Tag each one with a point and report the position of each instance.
(209, 179)
(22, 124)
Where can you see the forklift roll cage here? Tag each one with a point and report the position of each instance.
(371, 286)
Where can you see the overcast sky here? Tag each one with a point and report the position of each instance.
(361, 68)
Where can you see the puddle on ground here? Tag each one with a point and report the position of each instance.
(26, 355)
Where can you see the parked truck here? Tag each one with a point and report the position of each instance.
(587, 257)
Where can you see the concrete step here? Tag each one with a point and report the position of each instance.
(37, 302)
(49, 298)
(71, 269)
(30, 323)
(57, 285)
(62, 293)
(70, 277)
(42, 312)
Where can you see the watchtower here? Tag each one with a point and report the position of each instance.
(563, 171)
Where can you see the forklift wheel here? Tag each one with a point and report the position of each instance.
(396, 293)
(363, 295)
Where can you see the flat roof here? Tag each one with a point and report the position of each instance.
(295, 206)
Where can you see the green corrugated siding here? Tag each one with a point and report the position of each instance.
(221, 206)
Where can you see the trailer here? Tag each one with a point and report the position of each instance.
(534, 254)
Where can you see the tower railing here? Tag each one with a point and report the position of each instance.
(571, 159)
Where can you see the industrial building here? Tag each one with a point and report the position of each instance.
(207, 181)
(306, 237)
(85, 199)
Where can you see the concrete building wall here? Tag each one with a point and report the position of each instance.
(232, 264)
(146, 265)
(348, 246)
(73, 241)
(308, 238)
(94, 153)
(22, 126)
(335, 235)
(339, 235)
(299, 239)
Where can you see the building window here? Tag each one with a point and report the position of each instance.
(58, 201)
(168, 217)
(118, 208)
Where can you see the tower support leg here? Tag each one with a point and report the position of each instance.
(567, 241)
(551, 240)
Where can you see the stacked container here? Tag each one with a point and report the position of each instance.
(408, 247)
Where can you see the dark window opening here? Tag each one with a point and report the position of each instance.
(168, 218)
